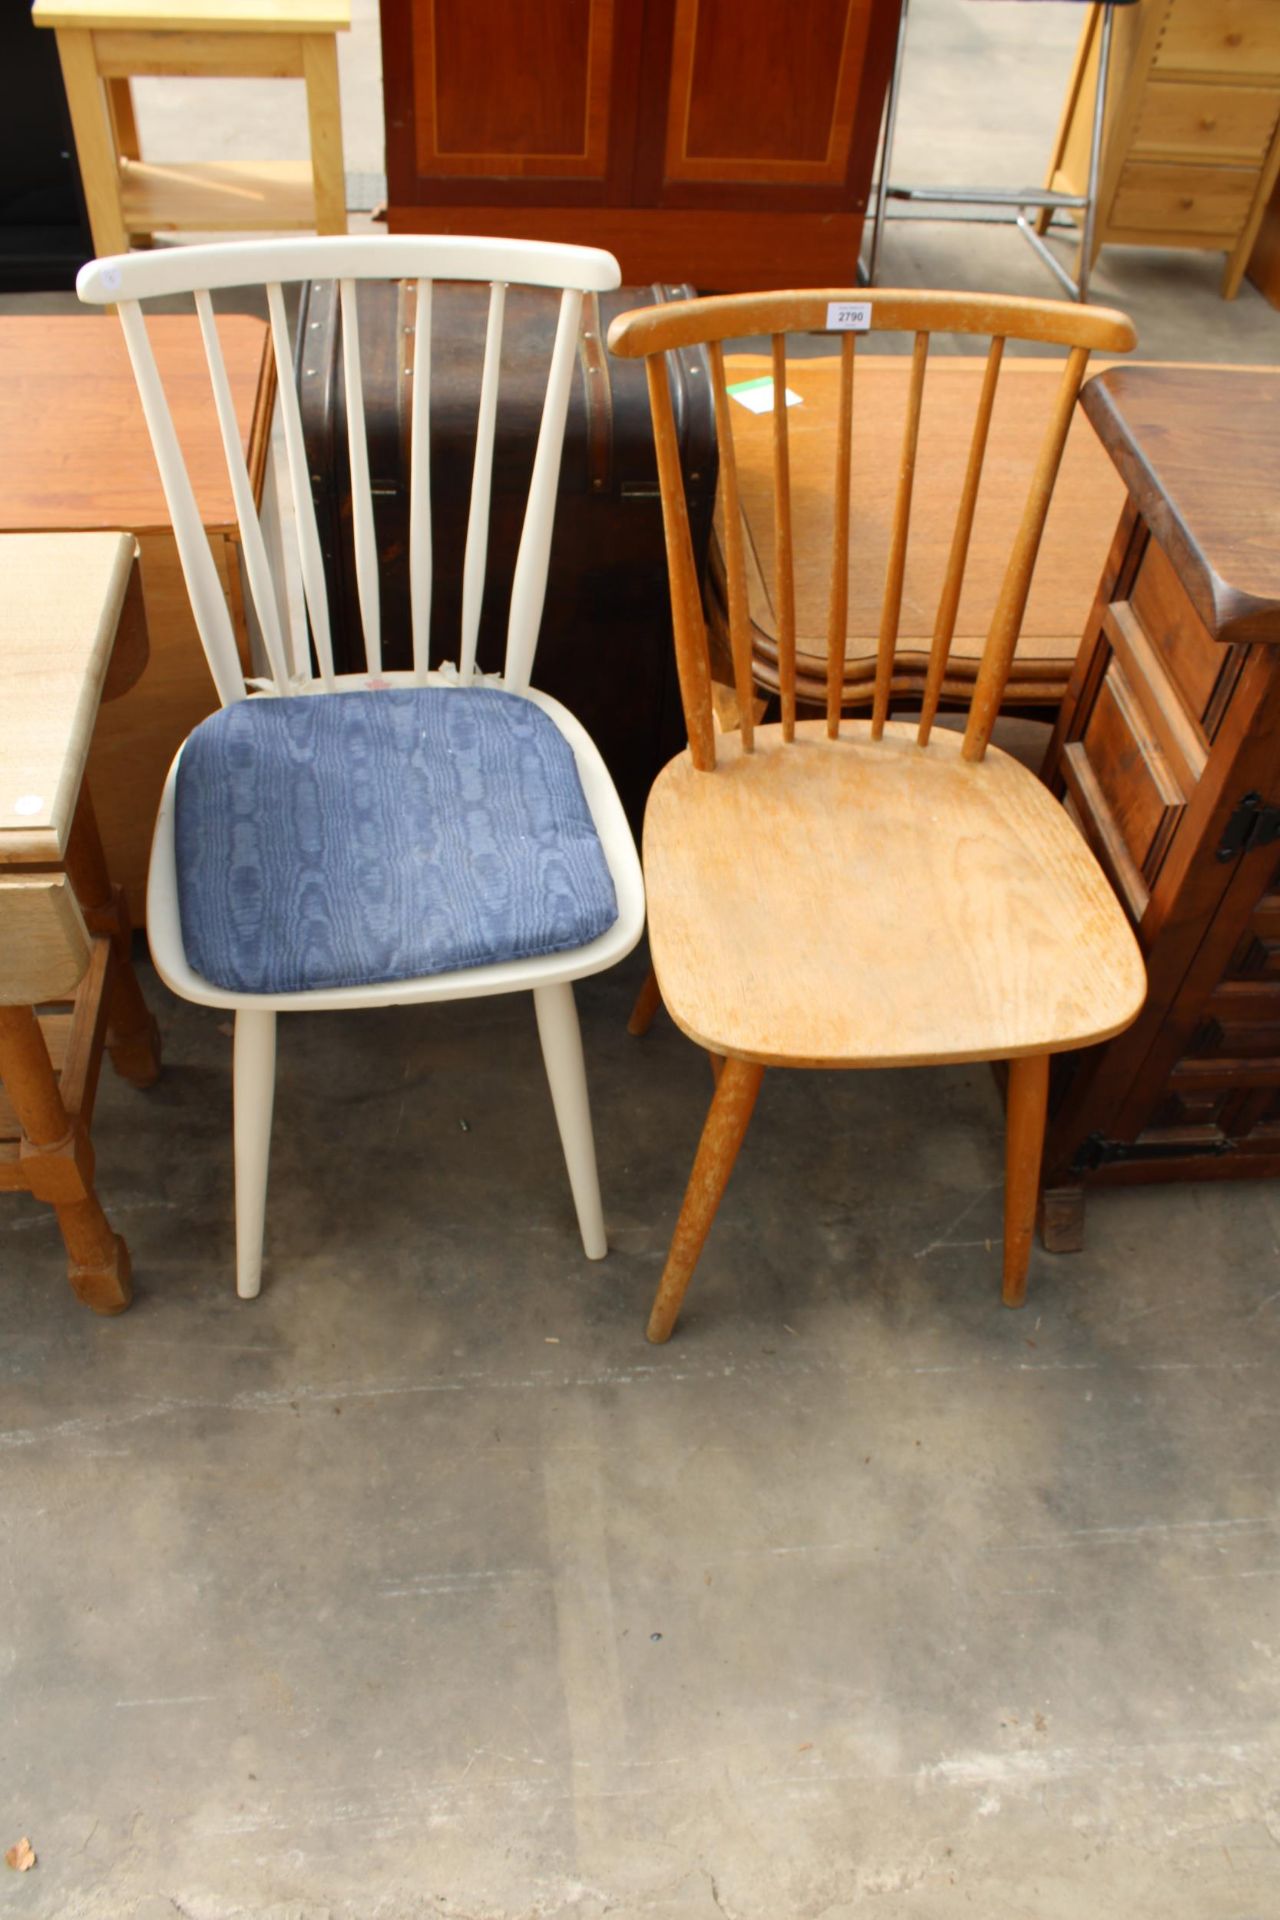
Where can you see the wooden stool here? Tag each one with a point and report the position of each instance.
(71, 613)
(103, 42)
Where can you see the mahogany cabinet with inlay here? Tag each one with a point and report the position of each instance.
(728, 142)
(1167, 753)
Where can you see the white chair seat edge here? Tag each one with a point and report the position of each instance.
(164, 928)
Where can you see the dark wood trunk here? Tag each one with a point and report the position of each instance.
(605, 648)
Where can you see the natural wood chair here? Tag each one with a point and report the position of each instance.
(378, 838)
(868, 893)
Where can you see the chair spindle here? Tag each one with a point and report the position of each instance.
(687, 619)
(529, 581)
(314, 589)
(895, 571)
(477, 548)
(838, 612)
(735, 559)
(1006, 621)
(420, 485)
(208, 600)
(252, 544)
(948, 606)
(784, 562)
(361, 491)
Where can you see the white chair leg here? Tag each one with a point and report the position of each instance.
(253, 1092)
(567, 1076)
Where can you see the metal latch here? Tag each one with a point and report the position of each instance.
(1253, 824)
(1098, 1151)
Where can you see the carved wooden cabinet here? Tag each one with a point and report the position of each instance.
(1167, 753)
(727, 142)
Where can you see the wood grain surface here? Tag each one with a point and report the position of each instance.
(844, 903)
(1218, 518)
(244, 16)
(1081, 520)
(77, 452)
(60, 600)
(79, 457)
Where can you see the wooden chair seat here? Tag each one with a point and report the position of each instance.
(892, 907)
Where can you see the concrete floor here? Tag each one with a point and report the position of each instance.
(423, 1586)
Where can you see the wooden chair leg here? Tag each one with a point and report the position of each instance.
(253, 1100)
(57, 1165)
(648, 1000)
(98, 1264)
(324, 115)
(1027, 1106)
(133, 1038)
(723, 1134)
(561, 1038)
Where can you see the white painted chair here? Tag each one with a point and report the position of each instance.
(128, 280)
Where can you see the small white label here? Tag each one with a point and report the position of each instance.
(849, 316)
(757, 395)
(28, 803)
(110, 279)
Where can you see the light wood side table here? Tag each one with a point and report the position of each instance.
(72, 632)
(103, 43)
(78, 459)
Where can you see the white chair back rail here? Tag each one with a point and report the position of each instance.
(130, 279)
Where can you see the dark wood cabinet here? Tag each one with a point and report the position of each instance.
(727, 142)
(1167, 753)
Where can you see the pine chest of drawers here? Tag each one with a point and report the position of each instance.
(1191, 142)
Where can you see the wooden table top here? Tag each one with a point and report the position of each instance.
(1199, 450)
(77, 451)
(197, 16)
(60, 601)
(1082, 518)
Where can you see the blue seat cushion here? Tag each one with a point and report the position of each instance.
(338, 840)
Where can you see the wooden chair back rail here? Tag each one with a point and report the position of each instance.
(953, 582)
(784, 576)
(310, 557)
(734, 558)
(837, 613)
(201, 271)
(252, 544)
(711, 321)
(693, 669)
(361, 491)
(1006, 621)
(895, 571)
(420, 574)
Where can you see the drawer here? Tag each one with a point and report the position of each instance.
(1173, 200)
(1163, 609)
(1136, 780)
(1236, 37)
(1192, 120)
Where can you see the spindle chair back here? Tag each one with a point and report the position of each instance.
(867, 892)
(131, 279)
(300, 656)
(919, 315)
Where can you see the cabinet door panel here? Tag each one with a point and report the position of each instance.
(769, 103)
(497, 98)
